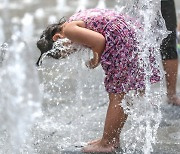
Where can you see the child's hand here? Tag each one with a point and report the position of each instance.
(94, 62)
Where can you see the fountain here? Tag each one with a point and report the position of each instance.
(59, 88)
(82, 4)
(73, 96)
(19, 95)
(101, 4)
(145, 112)
(2, 37)
(27, 27)
(62, 6)
(39, 13)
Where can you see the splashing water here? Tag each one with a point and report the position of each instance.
(19, 96)
(101, 4)
(27, 27)
(67, 86)
(62, 6)
(82, 4)
(61, 49)
(2, 37)
(64, 51)
(144, 112)
(67, 83)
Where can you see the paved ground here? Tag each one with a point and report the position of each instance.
(54, 134)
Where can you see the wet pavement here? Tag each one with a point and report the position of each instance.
(52, 138)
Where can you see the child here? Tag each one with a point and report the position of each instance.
(114, 45)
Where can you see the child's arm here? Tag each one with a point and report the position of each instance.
(76, 32)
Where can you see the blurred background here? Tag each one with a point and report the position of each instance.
(178, 24)
(177, 4)
(37, 14)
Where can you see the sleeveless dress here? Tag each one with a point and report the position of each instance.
(119, 59)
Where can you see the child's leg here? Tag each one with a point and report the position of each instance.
(115, 119)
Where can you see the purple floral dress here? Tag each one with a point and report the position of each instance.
(120, 57)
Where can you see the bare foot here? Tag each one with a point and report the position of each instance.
(174, 100)
(99, 147)
(116, 144)
(94, 141)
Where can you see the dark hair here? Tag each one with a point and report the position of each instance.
(45, 43)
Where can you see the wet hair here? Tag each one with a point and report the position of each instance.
(45, 43)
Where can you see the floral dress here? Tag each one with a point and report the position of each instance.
(120, 56)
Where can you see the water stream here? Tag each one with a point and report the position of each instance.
(145, 113)
(19, 96)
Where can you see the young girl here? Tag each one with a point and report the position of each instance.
(114, 45)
